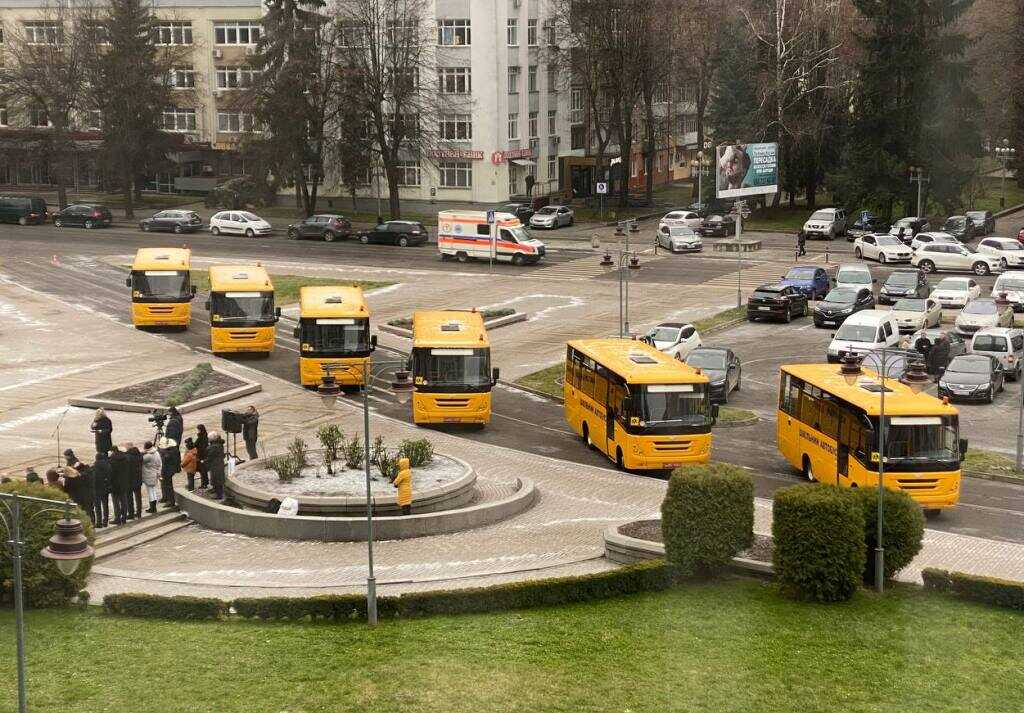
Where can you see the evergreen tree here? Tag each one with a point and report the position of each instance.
(1017, 97)
(733, 111)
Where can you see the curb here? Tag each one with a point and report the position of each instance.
(535, 392)
(984, 475)
(1009, 211)
(724, 326)
(624, 549)
(247, 388)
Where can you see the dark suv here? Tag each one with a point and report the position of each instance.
(960, 227)
(22, 210)
(776, 301)
(84, 215)
(396, 232)
(903, 283)
(523, 211)
(328, 227)
(174, 221)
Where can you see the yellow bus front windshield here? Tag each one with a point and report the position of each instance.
(451, 370)
(232, 309)
(920, 443)
(672, 408)
(339, 337)
(162, 285)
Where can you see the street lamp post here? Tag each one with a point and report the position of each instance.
(1005, 153)
(622, 230)
(914, 377)
(329, 390)
(66, 548)
(917, 176)
(1020, 432)
(700, 167)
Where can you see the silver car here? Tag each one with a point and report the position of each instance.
(679, 239)
(1005, 344)
(552, 216)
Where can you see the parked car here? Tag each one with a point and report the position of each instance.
(1005, 344)
(956, 258)
(983, 221)
(239, 222)
(957, 345)
(854, 274)
(1010, 286)
(718, 226)
(866, 222)
(812, 281)
(327, 227)
(840, 303)
(828, 223)
(683, 218)
(1010, 252)
(776, 301)
(934, 236)
(172, 221)
(22, 210)
(983, 312)
(914, 313)
(883, 248)
(523, 211)
(552, 216)
(904, 282)
(723, 369)
(1020, 235)
(677, 339)
(955, 292)
(84, 215)
(905, 229)
(959, 227)
(403, 233)
(863, 332)
(972, 377)
(679, 239)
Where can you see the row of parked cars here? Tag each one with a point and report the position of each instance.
(937, 251)
(720, 364)
(831, 223)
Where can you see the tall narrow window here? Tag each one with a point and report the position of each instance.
(512, 32)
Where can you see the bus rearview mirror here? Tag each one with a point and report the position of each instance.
(373, 341)
(963, 448)
(495, 373)
(195, 290)
(127, 282)
(206, 305)
(714, 412)
(295, 332)
(277, 312)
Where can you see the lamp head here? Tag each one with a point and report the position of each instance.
(402, 386)
(328, 389)
(916, 376)
(68, 546)
(850, 369)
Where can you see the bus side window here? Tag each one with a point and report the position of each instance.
(808, 408)
(784, 393)
(601, 385)
(587, 377)
(483, 229)
(829, 419)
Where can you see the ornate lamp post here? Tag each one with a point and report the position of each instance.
(1005, 154)
(623, 230)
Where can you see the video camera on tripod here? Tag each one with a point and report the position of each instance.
(158, 418)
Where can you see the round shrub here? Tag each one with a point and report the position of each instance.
(707, 517)
(44, 585)
(819, 542)
(902, 530)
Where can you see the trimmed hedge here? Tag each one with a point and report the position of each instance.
(819, 542)
(153, 606)
(987, 590)
(183, 392)
(707, 517)
(902, 530)
(328, 606)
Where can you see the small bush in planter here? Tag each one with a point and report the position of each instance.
(902, 530)
(707, 517)
(286, 467)
(299, 452)
(819, 542)
(387, 464)
(332, 440)
(420, 452)
(377, 449)
(353, 453)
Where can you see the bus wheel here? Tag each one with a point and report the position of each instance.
(462, 257)
(586, 435)
(808, 470)
(932, 513)
(618, 459)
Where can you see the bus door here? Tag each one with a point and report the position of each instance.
(842, 464)
(616, 393)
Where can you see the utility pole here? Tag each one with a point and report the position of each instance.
(917, 176)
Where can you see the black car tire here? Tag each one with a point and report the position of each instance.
(293, 234)
(249, 233)
(215, 230)
(144, 227)
(364, 239)
(462, 257)
(517, 259)
(739, 381)
(725, 393)
(751, 318)
(803, 312)
(980, 268)
(58, 223)
(403, 241)
(991, 396)
(857, 253)
(927, 266)
(329, 237)
(178, 229)
(789, 315)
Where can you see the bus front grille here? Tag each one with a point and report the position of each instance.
(452, 403)
(161, 310)
(243, 336)
(917, 485)
(671, 446)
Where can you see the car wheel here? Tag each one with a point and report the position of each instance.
(517, 259)
(572, 219)
(293, 234)
(57, 223)
(991, 395)
(403, 241)
(178, 229)
(144, 227)
(857, 253)
(808, 470)
(24, 221)
(329, 237)
(789, 316)
(980, 268)
(249, 233)
(927, 266)
(725, 394)
(803, 312)
(364, 239)
(215, 230)
(462, 257)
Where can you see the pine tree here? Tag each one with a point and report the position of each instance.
(733, 111)
(1017, 98)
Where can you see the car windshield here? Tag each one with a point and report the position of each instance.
(841, 295)
(549, 210)
(1009, 245)
(685, 404)
(706, 360)
(161, 283)
(902, 279)
(249, 306)
(856, 277)
(857, 332)
(969, 366)
(989, 343)
(976, 214)
(665, 334)
(922, 438)
(249, 216)
(452, 367)
(980, 307)
(952, 284)
(336, 336)
(800, 273)
(886, 240)
(1011, 283)
(955, 222)
(681, 232)
(909, 305)
(821, 215)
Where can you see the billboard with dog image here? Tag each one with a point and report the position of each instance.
(746, 170)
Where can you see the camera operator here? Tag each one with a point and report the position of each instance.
(158, 418)
(250, 431)
(102, 428)
(175, 428)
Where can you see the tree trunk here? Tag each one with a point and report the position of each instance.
(650, 149)
(394, 199)
(129, 194)
(626, 152)
(355, 202)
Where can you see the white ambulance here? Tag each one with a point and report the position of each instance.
(465, 234)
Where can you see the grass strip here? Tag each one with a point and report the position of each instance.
(189, 385)
(286, 287)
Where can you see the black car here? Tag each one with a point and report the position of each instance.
(722, 367)
(776, 302)
(840, 303)
(867, 222)
(983, 221)
(717, 226)
(396, 232)
(84, 215)
(972, 377)
(906, 282)
(523, 211)
(326, 226)
(173, 221)
(960, 227)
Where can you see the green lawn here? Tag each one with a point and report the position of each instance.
(730, 414)
(721, 647)
(547, 381)
(286, 287)
(989, 462)
(719, 318)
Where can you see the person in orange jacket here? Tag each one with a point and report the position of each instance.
(403, 481)
(190, 463)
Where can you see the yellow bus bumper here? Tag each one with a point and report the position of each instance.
(161, 314)
(311, 372)
(932, 491)
(666, 452)
(451, 408)
(224, 340)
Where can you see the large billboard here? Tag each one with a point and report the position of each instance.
(746, 170)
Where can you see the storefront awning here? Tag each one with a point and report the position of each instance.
(523, 162)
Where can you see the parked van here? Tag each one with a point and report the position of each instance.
(863, 332)
(1005, 344)
(466, 234)
(22, 210)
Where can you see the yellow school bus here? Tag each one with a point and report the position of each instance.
(451, 368)
(242, 312)
(828, 430)
(161, 286)
(642, 408)
(334, 328)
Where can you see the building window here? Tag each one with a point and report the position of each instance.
(688, 123)
(513, 126)
(401, 33)
(38, 118)
(234, 77)
(180, 119)
(531, 32)
(93, 120)
(532, 125)
(453, 33)
(552, 168)
(183, 78)
(576, 107)
(235, 122)
(172, 33)
(351, 36)
(552, 122)
(552, 79)
(42, 33)
(242, 32)
(512, 32)
(513, 79)
(408, 173)
(456, 174)
(531, 78)
(3, 116)
(550, 36)
(96, 31)
(455, 80)
(578, 137)
(456, 127)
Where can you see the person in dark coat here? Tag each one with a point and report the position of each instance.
(202, 442)
(78, 483)
(102, 429)
(801, 244)
(170, 464)
(250, 431)
(134, 481)
(215, 464)
(53, 479)
(101, 475)
(938, 357)
(119, 478)
(175, 428)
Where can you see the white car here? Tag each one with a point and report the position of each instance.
(677, 339)
(935, 237)
(1010, 252)
(939, 256)
(854, 275)
(914, 313)
(679, 239)
(680, 218)
(955, 292)
(1011, 286)
(240, 222)
(828, 223)
(883, 248)
(552, 216)
(981, 313)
